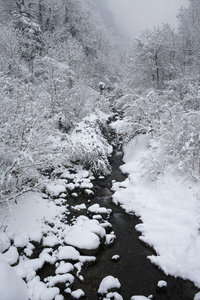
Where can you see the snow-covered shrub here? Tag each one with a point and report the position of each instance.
(89, 147)
(172, 118)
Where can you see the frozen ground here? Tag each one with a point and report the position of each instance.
(170, 212)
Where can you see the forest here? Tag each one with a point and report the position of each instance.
(65, 69)
(52, 60)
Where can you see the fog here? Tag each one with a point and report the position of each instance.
(133, 16)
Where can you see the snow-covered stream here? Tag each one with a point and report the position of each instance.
(136, 274)
(73, 242)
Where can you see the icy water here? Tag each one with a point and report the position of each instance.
(134, 271)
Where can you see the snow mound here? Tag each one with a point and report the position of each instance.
(82, 239)
(55, 189)
(10, 256)
(114, 296)
(26, 219)
(108, 283)
(50, 241)
(78, 294)
(68, 253)
(64, 268)
(97, 209)
(13, 287)
(69, 278)
(161, 284)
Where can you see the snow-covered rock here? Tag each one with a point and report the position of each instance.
(21, 240)
(110, 239)
(64, 268)
(115, 257)
(68, 253)
(55, 189)
(82, 239)
(10, 256)
(94, 226)
(109, 283)
(97, 209)
(114, 296)
(79, 207)
(50, 240)
(78, 294)
(162, 283)
(53, 280)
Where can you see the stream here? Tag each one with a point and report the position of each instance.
(134, 271)
(137, 275)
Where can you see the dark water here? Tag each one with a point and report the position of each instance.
(134, 271)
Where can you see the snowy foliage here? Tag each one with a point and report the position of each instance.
(171, 118)
(88, 146)
(49, 83)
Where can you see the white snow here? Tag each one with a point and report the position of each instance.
(108, 283)
(114, 296)
(89, 192)
(11, 285)
(49, 293)
(162, 283)
(64, 268)
(75, 195)
(170, 212)
(115, 257)
(10, 256)
(55, 189)
(27, 268)
(4, 242)
(97, 209)
(84, 259)
(46, 257)
(68, 253)
(110, 238)
(139, 298)
(20, 240)
(52, 281)
(50, 240)
(26, 219)
(36, 287)
(79, 207)
(78, 294)
(197, 296)
(59, 297)
(86, 185)
(94, 226)
(82, 239)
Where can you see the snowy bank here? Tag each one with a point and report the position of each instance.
(11, 285)
(169, 209)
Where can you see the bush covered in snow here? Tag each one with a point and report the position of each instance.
(36, 128)
(171, 117)
(89, 147)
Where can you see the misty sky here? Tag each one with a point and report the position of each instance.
(134, 16)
